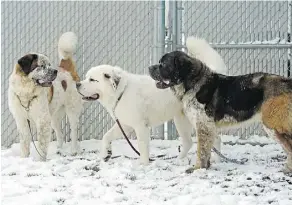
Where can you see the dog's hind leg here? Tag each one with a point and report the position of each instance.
(24, 135)
(286, 142)
(56, 125)
(143, 136)
(184, 129)
(113, 134)
(73, 116)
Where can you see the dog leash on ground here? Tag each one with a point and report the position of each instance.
(28, 122)
(235, 161)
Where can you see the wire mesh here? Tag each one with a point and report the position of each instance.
(230, 27)
(121, 33)
(116, 33)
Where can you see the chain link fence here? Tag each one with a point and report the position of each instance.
(250, 36)
(117, 33)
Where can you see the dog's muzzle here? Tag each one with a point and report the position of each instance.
(155, 75)
(86, 98)
(48, 81)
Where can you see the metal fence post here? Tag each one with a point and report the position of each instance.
(169, 126)
(176, 14)
(174, 43)
(159, 47)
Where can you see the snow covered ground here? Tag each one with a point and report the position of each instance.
(84, 179)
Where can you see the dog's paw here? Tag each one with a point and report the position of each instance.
(75, 149)
(60, 152)
(59, 144)
(287, 170)
(216, 158)
(144, 161)
(182, 155)
(108, 156)
(39, 158)
(191, 169)
(24, 155)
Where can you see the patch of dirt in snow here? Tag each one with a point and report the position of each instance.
(85, 179)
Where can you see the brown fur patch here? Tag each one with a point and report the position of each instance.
(51, 94)
(64, 84)
(18, 70)
(69, 66)
(277, 113)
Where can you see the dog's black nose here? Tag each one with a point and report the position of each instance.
(78, 85)
(55, 71)
(152, 68)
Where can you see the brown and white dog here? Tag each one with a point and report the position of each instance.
(212, 101)
(41, 94)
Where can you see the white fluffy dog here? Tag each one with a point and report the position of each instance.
(40, 94)
(138, 104)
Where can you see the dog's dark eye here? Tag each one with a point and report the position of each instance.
(107, 75)
(92, 80)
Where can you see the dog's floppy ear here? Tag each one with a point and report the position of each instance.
(114, 79)
(28, 63)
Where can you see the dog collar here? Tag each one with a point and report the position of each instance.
(29, 102)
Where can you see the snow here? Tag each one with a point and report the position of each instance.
(276, 40)
(85, 179)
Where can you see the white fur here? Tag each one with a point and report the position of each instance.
(200, 48)
(142, 105)
(67, 45)
(42, 113)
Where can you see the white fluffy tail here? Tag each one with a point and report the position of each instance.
(199, 48)
(67, 45)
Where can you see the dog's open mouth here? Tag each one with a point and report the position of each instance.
(163, 84)
(44, 83)
(91, 98)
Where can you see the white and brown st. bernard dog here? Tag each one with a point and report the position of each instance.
(41, 94)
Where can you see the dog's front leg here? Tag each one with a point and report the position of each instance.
(44, 137)
(205, 132)
(143, 137)
(24, 135)
(113, 134)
